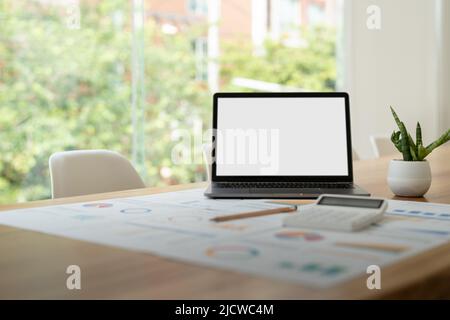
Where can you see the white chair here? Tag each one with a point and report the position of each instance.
(382, 146)
(207, 158)
(81, 172)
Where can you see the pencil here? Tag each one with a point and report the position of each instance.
(253, 214)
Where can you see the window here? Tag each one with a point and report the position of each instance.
(316, 14)
(137, 77)
(200, 48)
(289, 15)
(198, 6)
(64, 84)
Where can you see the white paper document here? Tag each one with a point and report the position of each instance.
(177, 225)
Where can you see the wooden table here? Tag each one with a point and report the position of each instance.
(33, 265)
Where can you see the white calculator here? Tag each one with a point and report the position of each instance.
(341, 213)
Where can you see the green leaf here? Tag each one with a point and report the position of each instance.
(421, 152)
(405, 146)
(411, 141)
(418, 135)
(442, 139)
(395, 138)
(396, 118)
(413, 153)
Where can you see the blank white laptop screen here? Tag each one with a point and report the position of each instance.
(281, 136)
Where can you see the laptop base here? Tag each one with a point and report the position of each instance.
(279, 193)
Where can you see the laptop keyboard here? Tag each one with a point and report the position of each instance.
(297, 185)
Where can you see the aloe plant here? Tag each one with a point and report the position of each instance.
(410, 149)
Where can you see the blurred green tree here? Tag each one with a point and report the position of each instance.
(311, 65)
(64, 89)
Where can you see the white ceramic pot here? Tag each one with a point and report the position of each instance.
(409, 178)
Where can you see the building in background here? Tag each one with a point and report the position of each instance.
(238, 20)
(242, 19)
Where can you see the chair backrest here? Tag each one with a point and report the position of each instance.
(382, 146)
(207, 158)
(82, 172)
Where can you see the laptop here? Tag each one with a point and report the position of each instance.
(281, 146)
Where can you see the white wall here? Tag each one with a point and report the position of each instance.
(397, 65)
(443, 29)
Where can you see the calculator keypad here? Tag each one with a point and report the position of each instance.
(325, 218)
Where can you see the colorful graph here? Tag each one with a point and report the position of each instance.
(299, 235)
(234, 252)
(313, 267)
(97, 205)
(432, 232)
(135, 210)
(428, 214)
